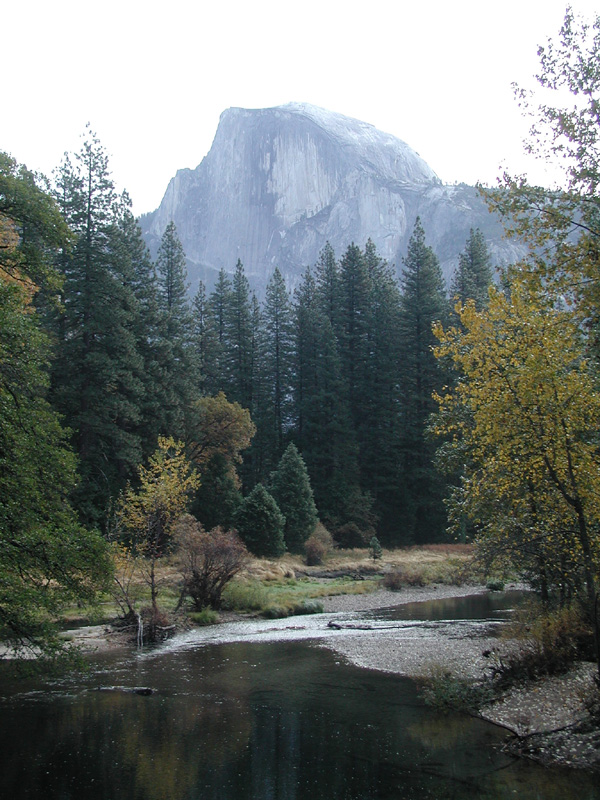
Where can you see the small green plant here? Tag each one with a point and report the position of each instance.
(495, 585)
(375, 549)
(447, 692)
(205, 617)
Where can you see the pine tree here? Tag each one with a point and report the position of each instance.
(96, 380)
(291, 489)
(179, 367)
(423, 302)
(323, 426)
(473, 276)
(278, 346)
(260, 523)
(238, 339)
(205, 343)
(380, 433)
(218, 305)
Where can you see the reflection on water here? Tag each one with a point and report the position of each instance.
(285, 721)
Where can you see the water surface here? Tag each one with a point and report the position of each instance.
(283, 720)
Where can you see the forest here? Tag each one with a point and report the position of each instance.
(406, 409)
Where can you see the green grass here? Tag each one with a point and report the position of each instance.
(289, 596)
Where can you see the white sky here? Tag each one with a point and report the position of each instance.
(152, 78)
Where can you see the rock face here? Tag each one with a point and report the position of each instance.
(278, 183)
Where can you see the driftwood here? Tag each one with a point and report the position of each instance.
(145, 691)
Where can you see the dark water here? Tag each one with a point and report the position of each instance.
(281, 720)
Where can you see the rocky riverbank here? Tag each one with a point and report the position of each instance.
(548, 719)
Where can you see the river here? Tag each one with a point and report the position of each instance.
(253, 713)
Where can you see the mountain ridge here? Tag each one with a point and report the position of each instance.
(278, 183)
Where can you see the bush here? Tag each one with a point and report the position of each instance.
(495, 585)
(205, 617)
(318, 545)
(350, 536)
(293, 609)
(547, 644)
(243, 595)
(446, 692)
(393, 580)
(207, 561)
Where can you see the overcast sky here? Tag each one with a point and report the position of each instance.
(152, 78)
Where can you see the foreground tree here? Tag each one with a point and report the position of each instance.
(523, 420)
(46, 558)
(207, 561)
(149, 514)
(97, 375)
(562, 224)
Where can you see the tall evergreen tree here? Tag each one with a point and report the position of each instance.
(327, 279)
(473, 276)
(380, 434)
(323, 426)
(179, 366)
(218, 305)
(140, 276)
(291, 489)
(278, 350)
(353, 332)
(205, 343)
(96, 379)
(423, 302)
(238, 339)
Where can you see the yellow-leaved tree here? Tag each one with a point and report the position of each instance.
(150, 512)
(521, 425)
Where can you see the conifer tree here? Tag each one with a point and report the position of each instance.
(205, 343)
(291, 489)
(218, 305)
(423, 302)
(473, 276)
(238, 331)
(278, 345)
(323, 426)
(96, 379)
(179, 367)
(260, 523)
(380, 433)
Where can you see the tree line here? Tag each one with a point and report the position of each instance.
(344, 368)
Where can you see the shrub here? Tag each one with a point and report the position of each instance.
(350, 536)
(446, 692)
(243, 595)
(495, 585)
(205, 617)
(318, 545)
(548, 642)
(207, 561)
(393, 580)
